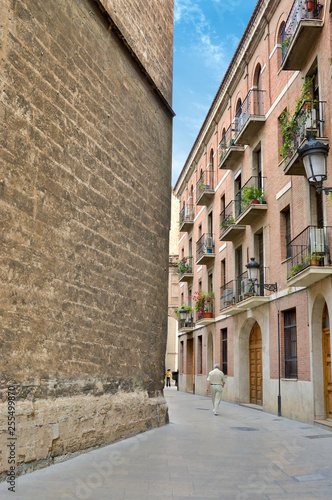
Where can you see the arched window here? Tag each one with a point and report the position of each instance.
(211, 159)
(257, 90)
(280, 48)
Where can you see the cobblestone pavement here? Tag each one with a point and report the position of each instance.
(240, 454)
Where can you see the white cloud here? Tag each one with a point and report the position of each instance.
(202, 39)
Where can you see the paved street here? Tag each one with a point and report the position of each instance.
(240, 454)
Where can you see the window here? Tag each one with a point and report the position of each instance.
(290, 343)
(224, 350)
(181, 356)
(199, 354)
(285, 232)
(223, 272)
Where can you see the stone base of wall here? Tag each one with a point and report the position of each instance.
(49, 431)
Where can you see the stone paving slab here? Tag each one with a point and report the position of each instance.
(198, 455)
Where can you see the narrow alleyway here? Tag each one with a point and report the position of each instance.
(240, 454)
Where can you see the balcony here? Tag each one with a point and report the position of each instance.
(230, 230)
(185, 268)
(205, 250)
(186, 218)
(300, 33)
(310, 257)
(250, 201)
(250, 117)
(205, 187)
(186, 325)
(228, 299)
(243, 293)
(310, 118)
(229, 153)
(253, 293)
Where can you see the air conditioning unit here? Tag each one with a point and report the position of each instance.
(242, 120)
(317, 240)
(228, 296)
(248, 287)
(208, 243)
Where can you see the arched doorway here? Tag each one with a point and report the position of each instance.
(256, 368)
(327, 363)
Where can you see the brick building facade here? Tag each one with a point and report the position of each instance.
(239, 199)
(85, 170)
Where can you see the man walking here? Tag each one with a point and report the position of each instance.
(216, 379)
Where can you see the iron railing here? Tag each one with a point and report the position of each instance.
(309, 248)
(188, 322)
(298, 12)
(228, 295)
(204, 245)
(227, 141)
(187, 213)
(185, 266)
(227, 217)
(251, 191)
(242, 287)
(309, 118)
(205, 183)
(253, 105)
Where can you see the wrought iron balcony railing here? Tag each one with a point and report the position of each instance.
(309, 248)
(205, 245)
(185, 266)
(188, 322)
(251, 192)
(227, 216)
(309, 118)
(242, 288)
(187, 214)
(300, 10)
(228, 295)
(253, 105)
(227, 140)
(205, 183)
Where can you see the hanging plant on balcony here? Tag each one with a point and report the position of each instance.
(290, 123)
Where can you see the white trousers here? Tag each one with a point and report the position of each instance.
(216, 393)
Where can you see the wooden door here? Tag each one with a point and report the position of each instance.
(256, 368)
(190, 364)
(327, 371)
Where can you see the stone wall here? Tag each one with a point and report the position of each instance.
(85, 166)
(148, 28)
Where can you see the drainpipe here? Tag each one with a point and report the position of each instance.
(279, 371)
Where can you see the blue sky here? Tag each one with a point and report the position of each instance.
(206, 34)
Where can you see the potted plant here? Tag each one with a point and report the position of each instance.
(208, 313)
(295, 269)
(227, 221)
(251, 194)
(202, 185)
(308, 5)
(312, 258)
(184, 266)
(200, 306)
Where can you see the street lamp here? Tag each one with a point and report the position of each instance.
(253, 274)
(313, 155)
(183, 315)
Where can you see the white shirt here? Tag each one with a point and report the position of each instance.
(216, 377)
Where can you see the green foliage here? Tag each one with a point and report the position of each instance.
(290, 122)
(250, 193)
(227, 221)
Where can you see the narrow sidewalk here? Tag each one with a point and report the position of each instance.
(241, 454)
